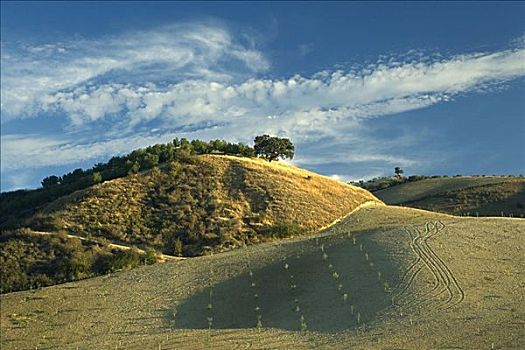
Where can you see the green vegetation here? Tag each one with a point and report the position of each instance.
(19, 203)
(186, 205)
(16, 203)
(29, 260)
(383, 182)
(273, 148)
(283, 230)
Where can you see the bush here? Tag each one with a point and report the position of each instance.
(118, 260)
(283, 230)
(150, 257)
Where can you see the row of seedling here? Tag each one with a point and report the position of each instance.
(340, 288)
(296, 307)
(381, 278)
(258, 315)
(209, 315)
(368, 259)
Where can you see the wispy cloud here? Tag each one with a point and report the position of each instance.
(200, 80)
(32, 74)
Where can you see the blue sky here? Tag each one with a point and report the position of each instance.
(360, 87)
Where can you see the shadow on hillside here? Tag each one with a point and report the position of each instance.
(278, 300)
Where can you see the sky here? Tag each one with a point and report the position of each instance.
(437, 88)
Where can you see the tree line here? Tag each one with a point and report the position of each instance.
(181, 150)
(145, 159)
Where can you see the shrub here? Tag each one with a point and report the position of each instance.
(282, 230)
(150, 257)
(119, 260)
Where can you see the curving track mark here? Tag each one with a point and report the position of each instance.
(411, 272)
(435, 268)
(420, 262)
(451, 278)
(444, 279)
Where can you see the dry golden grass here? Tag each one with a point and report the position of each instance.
(288, 194)
(215, 203)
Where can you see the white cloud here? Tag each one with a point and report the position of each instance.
(199, 78)
(297, 103)
(169, 53)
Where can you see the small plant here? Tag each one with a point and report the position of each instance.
(210, 312)
(304, 326)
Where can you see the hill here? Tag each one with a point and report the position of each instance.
(382, 278)
(210, 203)
(485, 196)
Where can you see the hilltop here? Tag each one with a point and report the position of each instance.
(209, 203)
(461, 195)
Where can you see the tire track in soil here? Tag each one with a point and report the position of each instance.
(442, 274)
(403, 284)
(448, 272)
(415, 246)
(449, 276)
(435, 269)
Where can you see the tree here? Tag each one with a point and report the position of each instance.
(50, 181)
(273, 148)
(398, 171)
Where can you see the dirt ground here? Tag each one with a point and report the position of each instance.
(382, 278)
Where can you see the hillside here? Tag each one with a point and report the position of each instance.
(382, 278)
(208, 204)
(485, 196)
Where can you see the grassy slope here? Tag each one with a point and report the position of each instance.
(488, 196)
(218, 202)
(214, 204)
(463, 292)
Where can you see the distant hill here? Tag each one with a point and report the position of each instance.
(484, 196)
(210, 203)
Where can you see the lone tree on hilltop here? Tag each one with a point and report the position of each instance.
(273, 148)
(398, 171)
